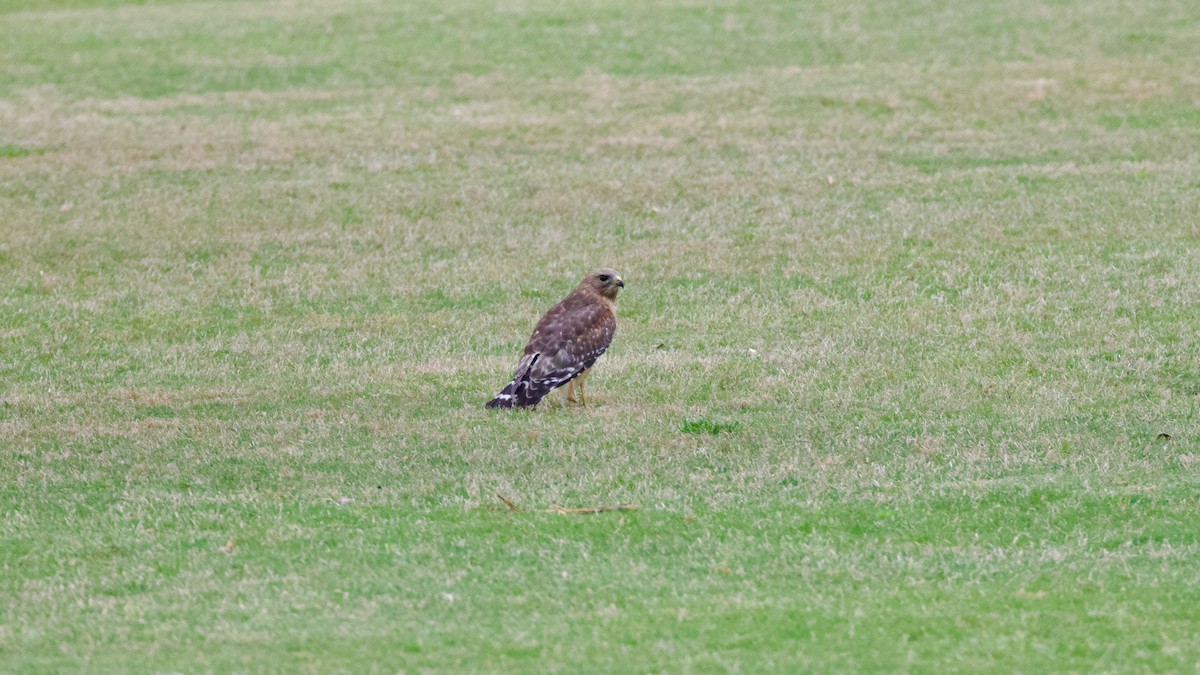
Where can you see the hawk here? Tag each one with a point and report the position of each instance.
(566, 342)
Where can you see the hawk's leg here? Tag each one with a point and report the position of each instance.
(578, 382)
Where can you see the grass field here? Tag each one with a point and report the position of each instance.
(912, 295)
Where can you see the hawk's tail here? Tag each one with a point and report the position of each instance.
(521, 394)
(505, 398)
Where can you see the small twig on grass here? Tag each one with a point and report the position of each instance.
(562, 510)
(587, 510)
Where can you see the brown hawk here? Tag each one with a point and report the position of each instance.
(566, 342)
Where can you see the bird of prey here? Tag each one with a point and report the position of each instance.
(566, 342)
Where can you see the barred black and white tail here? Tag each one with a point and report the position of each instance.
(505, 398)
(521, 394)
(525, 390)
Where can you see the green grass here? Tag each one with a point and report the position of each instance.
(911, 295)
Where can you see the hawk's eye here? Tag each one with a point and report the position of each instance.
(604, 278)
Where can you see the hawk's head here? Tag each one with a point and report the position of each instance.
(605, 281)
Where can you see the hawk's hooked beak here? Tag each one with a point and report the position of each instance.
(620, 282)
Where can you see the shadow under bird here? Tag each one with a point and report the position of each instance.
(566, 342)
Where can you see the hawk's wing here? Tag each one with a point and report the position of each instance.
(567, 343)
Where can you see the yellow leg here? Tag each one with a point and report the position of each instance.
(577, 383)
